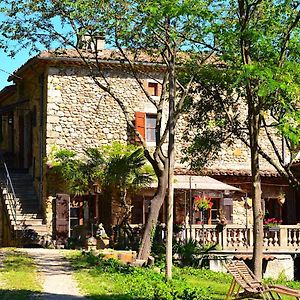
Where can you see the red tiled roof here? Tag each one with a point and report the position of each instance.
(107, 56)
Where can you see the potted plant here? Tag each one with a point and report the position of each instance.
(272, 224)
(202, 203)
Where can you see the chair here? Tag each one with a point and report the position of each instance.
(252, 288)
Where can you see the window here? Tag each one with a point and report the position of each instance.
(150, 127)
(153, 88)
(273, 208)
(145, 124)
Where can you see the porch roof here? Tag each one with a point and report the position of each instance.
(186, 182)
(201, 183)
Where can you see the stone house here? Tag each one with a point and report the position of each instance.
(55, 102)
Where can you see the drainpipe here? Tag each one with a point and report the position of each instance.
(41, 137)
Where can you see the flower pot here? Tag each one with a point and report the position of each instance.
(273, 229)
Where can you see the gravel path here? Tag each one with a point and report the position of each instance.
(56, 275)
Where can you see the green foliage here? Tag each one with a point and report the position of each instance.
(101, 279)
(79, 175)
(257, 75)
(116, 166)
(127, 170)
(127, 238)
(188, 252)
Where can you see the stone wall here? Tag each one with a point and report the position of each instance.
(242, 213)
(81, 115)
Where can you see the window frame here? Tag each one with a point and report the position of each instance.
(147, 127)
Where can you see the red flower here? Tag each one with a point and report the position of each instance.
(202, 202)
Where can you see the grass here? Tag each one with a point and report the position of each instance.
(108, 280)
(18, 276)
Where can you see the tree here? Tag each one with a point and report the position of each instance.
(78, 175)
(119, 168)
(258, 50)
(161, 29)
(126, 172)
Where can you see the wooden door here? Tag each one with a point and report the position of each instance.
(62, 226)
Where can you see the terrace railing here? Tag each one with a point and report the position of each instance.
(237, 237)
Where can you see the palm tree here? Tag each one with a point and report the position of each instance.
(78, 175)
(127, 172)
(120, 168)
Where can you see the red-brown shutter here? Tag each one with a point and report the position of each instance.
(140, 123)
(62, 218)
(159, 89)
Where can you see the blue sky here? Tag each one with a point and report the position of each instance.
(9, 65)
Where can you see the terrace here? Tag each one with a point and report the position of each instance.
(284, 238)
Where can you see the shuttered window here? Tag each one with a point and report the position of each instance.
(153, 88)
(146, 124)
(150, 127)
(140, 121)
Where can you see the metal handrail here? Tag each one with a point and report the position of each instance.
(10, 189)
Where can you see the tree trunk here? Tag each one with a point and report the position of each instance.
(155, 206)
(171, 158)
(258, 233)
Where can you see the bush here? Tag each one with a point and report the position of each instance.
(188, 253)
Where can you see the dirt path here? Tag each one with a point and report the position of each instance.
(56, 275)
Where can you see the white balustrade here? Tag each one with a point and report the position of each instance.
(237, 237)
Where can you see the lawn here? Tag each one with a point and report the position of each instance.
(18, 276)
(109, 280)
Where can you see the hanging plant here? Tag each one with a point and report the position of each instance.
(202, 203)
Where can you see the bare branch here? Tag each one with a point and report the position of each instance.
(278, 155)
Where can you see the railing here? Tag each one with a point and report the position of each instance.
(236, 237)
(9, 192)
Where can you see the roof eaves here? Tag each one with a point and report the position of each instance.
(7, 91)
(114, 62)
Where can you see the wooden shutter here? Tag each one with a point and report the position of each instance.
(159, 89)
(140, 123)
(228, 209)
(62, 218)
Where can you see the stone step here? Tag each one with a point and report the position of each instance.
(27, 208)
(27, 216)
(29, 222)
(32, 204)
(39, 229)
(22, 211)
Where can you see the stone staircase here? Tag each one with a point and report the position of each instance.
(27, 222)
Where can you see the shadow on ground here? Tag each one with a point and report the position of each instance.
(28, 295)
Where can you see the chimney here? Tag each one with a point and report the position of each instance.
(92, 42)
(99, 42)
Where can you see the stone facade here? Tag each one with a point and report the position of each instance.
(68, 110)
(81, 115)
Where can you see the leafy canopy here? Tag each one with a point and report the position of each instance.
(116, 166)
(257, 43)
